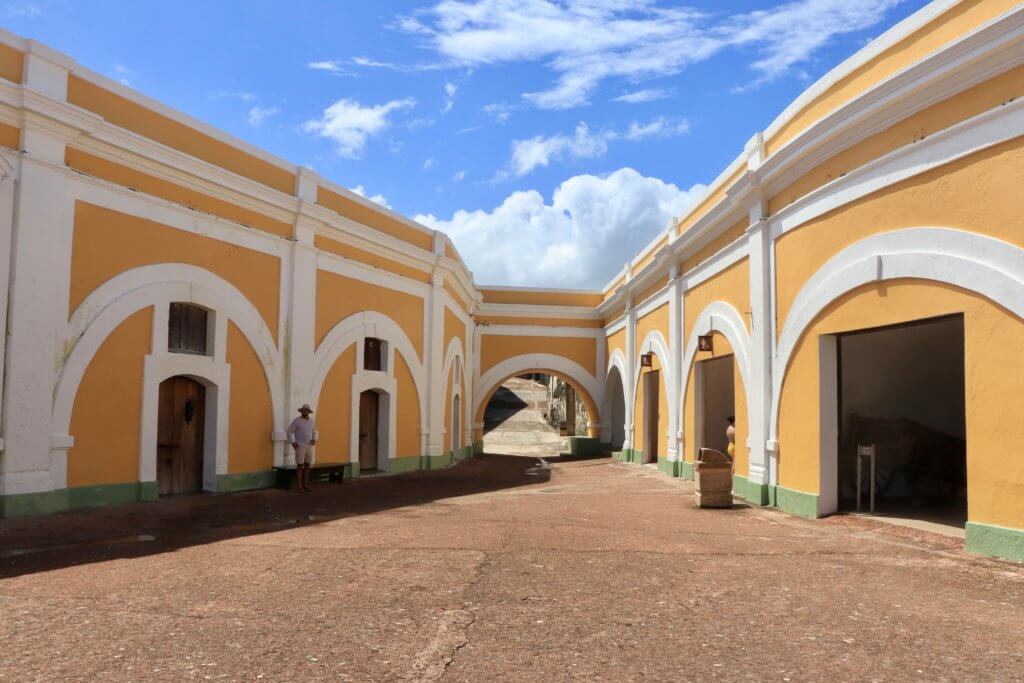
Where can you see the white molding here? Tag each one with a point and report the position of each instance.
(538, 311)
(534, 362)
(357, 270)
(990, 267)
(653, 302)
(532, 331)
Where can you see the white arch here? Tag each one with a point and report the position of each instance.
(158, 285)
(985, 265)
(453, 353)
(617, 362)
(654, 341)
(535, 362)
(721, 317)
(357, 327)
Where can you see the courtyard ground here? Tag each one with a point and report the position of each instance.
(495, 569)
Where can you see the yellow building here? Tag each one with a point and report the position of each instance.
(852, 282)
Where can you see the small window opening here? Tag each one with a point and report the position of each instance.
(188, 329)
(373, 352)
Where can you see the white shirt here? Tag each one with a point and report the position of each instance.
(302, 431)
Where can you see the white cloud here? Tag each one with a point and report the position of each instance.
(499, 111)
(661, 127)
(234, 95)
(459, 176)
(581, 239)
(428, 164)
(532, 153)
(350, 124)
(540, 150)
(587, 42)
(377, 198)
(449, 96)
(24, 9)
(372, 63)
(124, 73)
(331, 66)
(640, 96)
(258, 114)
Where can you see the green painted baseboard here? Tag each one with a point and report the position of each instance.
(668, 467)
(407, 464)
(998, 541)
(796, 503)
(585, 445)
(464, 453)
(478, 448)
(685, 470)
(437, 462)
(244, 481)
(757, 494)
(32, 504)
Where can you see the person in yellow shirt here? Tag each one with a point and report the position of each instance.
(730, 435)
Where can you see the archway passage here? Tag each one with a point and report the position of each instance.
(180, 436)
(532, 415)
(901, 395)
(615, 409)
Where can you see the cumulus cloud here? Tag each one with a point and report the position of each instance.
(449, 96)
(539, 151)
(349, 124)
(499, 111)
(585, 43)
(580, 239)
(377, 198)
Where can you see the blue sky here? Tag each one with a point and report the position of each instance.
(551, 138)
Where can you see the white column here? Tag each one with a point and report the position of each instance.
(434, 350)
(675, 349)
(301, 315)
(627, 381)
(35, 459)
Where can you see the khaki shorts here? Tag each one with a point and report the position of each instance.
(303, 454)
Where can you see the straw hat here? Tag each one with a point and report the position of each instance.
(305, 406)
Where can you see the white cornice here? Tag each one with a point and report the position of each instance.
(539, 311)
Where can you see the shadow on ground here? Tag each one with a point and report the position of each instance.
(83, 536)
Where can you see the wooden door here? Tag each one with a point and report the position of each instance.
(180, 432)
(652, 382)
(369, 413)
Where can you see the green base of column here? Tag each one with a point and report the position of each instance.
(464, 453)
(758, 494)
(478, 448)
(796, 503)
(585, 445)
(669, 467)
(245, 481)
(685, 470)
(407, 464)
(32, 504)
(437, 462)
(997, 541)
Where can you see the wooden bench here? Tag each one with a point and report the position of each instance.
(331, 472)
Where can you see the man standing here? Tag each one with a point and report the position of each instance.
(302, 435)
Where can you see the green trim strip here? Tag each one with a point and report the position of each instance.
(585, 445)
(749, 491)
(796, 503)
(32, 504)
(998, 541)
(107, 494)
(437, 462)
(464, 453)
(478, 448)
(245, 481)
(407, 464)
(685, 470)
(668, 467)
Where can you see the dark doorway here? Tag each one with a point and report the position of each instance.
(901, 390)
(718, 401)
(180, 435)
(652, 386)
(615, 407)
(369, 420)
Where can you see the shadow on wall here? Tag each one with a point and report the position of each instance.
(141, 529)
(502, 407)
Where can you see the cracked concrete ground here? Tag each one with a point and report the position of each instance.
(495, 569)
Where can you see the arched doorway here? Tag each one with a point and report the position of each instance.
(373, 430)
(456, 423)
(181, 427)
(615, 409)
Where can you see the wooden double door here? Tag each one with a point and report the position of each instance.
(180, 436)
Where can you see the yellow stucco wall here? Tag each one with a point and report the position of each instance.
(370, 259)
(338, 297)
(947, 27)
(333, 409)
(496, 348)
(617, 341)
(980, 193)
(10, 136)
(250, 413)
(976, 100)
(454, 328)
(642, 263)
(127, 177)
(408, 411)
(12, 63)
(147, 123)
(107, 243)
(742, 457)
(714, 246)
(378, 220)
(732, 286)
(713, 197)
(107, 411)
(994, 377)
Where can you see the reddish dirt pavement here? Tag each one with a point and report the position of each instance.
(497, 569)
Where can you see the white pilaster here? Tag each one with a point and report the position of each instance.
(675, 349)
(434, 349)
(35, 459)
(627, 381)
